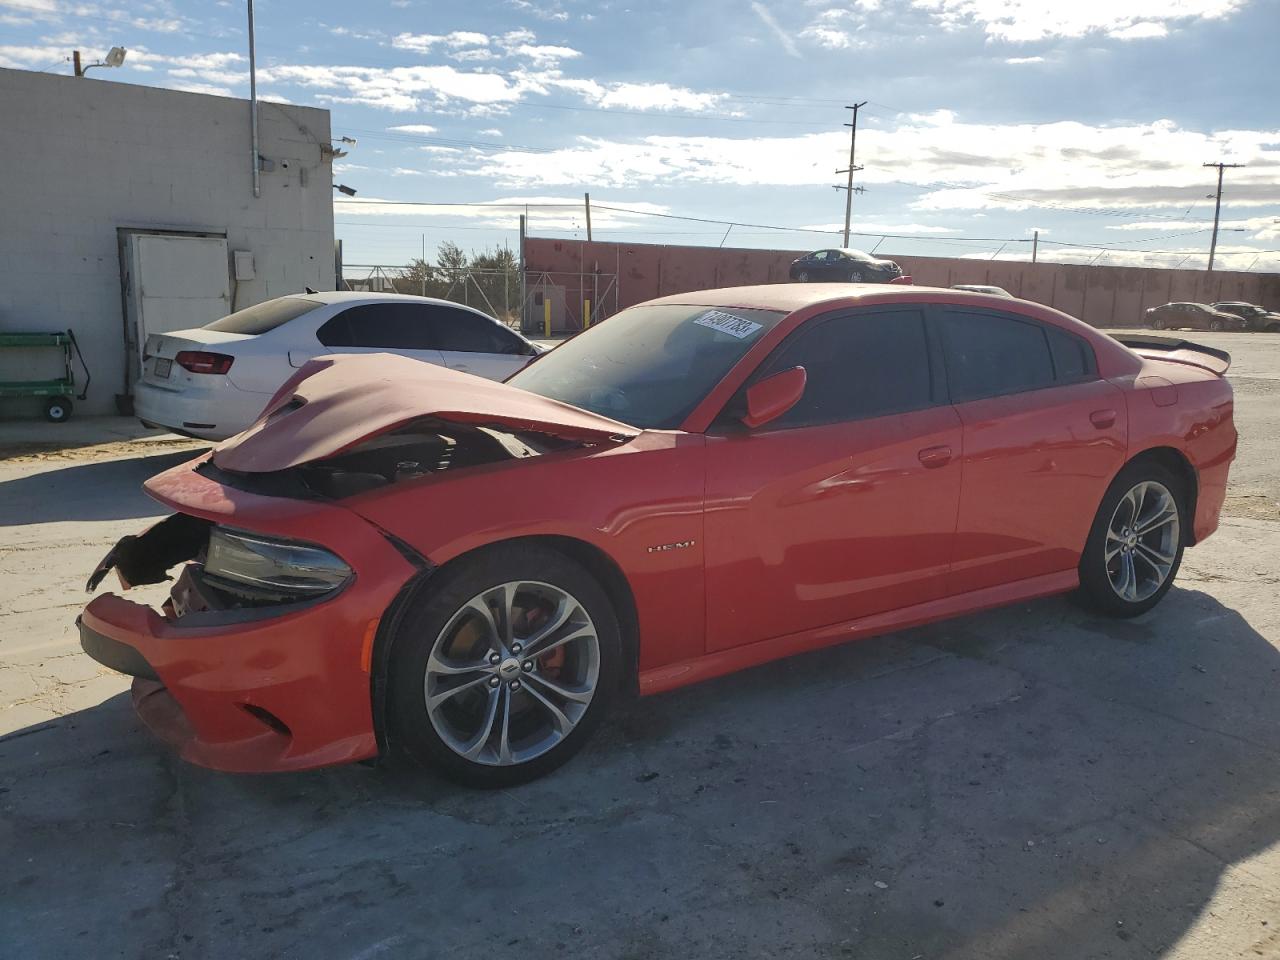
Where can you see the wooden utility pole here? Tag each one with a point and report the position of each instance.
(75, 62)
(1035, 246)
(852, 168)
(587, 197)
(1217, 209)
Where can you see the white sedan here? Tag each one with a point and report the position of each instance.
(213, 381)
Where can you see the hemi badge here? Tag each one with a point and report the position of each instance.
(664, 547)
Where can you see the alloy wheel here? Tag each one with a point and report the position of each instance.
(1142, 541)
(512, 673)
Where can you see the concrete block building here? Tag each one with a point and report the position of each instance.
(127, 210)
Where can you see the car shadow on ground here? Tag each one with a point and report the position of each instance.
(97, 490)
(1028, 783)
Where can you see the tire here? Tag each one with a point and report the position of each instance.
(58, 409)
(803, 276)
(1157, 323)
(445, 647)
(1103, 579)
(1215, 326)
(855, 276)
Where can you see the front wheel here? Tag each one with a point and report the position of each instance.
(855, 276)
(1157, 323)
(1135, 546)
(504, 667)
(1215, 325)
(803, 276)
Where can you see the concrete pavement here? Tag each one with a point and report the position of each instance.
(1033, 782)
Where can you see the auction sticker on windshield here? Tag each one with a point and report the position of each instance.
(727, 323)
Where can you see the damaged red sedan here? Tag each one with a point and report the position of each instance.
(398, 556)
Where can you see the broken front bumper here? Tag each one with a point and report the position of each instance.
(263, 688)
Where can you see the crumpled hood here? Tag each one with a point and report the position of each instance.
(334, 403)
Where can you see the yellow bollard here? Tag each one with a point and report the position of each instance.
(586, 314)
(546, 316)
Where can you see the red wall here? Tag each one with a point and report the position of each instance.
(1102, 296)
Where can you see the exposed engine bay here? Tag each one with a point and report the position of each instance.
(417, 449)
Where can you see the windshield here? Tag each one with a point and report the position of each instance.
(264, 316)
(648, 366)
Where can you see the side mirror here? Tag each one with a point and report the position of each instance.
(773, 396)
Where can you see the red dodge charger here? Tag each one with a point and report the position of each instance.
(401, 556)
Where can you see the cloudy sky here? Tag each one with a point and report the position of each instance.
(1088, 120)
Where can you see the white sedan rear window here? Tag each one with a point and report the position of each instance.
(264, 316)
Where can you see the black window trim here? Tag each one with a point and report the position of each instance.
(729, 417)
(933, 322)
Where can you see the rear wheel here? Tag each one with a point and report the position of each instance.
(505, 667)
(855, 276)
(1215, 325)
(58, 409)
(1135, 547)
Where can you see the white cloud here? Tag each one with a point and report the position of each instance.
(656, 96)
(1022, 20)
(768, 19)
(551, 11)
(397, 88)
(491, 132)
(1018, 60)
(1142, 30)
(829, 37)
(206, 88)
(467, 45)
(960, 166)
(406, 172)
(422, 129)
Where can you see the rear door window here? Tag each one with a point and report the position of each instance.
(392, 326)
(265, 316)
(990, 355)
(467, 332)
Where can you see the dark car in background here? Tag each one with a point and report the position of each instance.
(1254, 316)
(852, 266)
(1195, 316)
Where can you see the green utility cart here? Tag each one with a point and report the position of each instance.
(57, 408)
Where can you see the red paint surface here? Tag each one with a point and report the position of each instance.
(336, 402)
(791, 539)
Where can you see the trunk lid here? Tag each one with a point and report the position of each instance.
(334, 403)
(160, 349)
(167, 345)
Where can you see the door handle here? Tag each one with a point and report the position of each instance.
(932, 457)
(1102, 419)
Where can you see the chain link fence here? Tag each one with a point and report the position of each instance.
(545, 304)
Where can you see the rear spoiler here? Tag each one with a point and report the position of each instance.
(1177, 351)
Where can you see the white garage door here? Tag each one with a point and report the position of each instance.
(179, 282)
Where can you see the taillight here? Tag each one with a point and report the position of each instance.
(200, 361)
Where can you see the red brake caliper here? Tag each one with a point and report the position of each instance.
(549, 664)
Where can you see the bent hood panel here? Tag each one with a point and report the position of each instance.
(334, 403)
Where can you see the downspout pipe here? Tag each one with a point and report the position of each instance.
(253, 107)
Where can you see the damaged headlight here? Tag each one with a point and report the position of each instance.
(273, 567)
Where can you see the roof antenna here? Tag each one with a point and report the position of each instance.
(309, 290)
